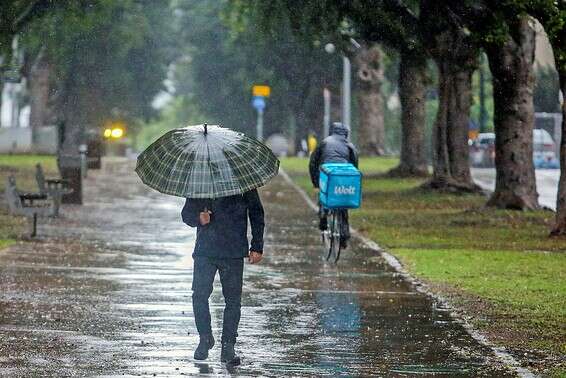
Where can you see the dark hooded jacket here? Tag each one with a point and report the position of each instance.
(335, 148)
(226, 236)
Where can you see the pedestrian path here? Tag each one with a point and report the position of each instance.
(109, 294)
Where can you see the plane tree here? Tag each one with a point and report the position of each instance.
(455, 53)
(370, 22)
(15, 15)
(552, 15)
(224, 53)
(507, 35)
(96, 61)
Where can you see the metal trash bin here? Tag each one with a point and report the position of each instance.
(70, 169)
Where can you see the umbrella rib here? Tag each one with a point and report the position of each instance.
(210, 167)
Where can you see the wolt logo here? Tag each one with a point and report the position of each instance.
(349, 190)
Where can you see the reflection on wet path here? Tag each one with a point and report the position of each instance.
(110, 295)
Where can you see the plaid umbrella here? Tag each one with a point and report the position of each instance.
(206, 161)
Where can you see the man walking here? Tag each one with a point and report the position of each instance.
(222, 245)
(335, 148)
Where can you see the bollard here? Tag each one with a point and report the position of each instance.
(83, 149)
(70, 168)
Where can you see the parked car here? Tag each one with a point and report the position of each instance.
(544, 150)
(482, 150)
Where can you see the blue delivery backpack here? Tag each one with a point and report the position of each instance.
(340, 186)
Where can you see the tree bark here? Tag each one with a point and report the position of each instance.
(1, 91)
(39, 94)
(440, 158)
(412, 78)
(371, 135)
(511, 64)
(458, 126)
(560, 223)
(456, 58)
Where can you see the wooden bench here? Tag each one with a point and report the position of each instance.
(30, 205)
(54, 188)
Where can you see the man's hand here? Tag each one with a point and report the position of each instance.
(255, 257)
(204, 217)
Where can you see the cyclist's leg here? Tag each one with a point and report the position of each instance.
(323, 218)
(344, 228)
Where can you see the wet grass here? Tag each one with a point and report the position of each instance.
(527, 288)
(502, 257)
(369, 166)
(23, 168)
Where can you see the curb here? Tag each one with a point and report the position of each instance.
(500, 352)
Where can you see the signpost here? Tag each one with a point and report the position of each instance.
(260, 92)
(326, 125)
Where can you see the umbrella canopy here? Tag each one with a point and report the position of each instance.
(206, 161)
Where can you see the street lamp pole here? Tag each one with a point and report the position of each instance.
(346, 91)
(483, 111)
(260, 92)
(259, 130)
(326, 125)
(346, 82)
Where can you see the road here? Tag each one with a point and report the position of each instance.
(106, 292)
(547, 183)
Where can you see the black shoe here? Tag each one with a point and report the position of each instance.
(343, 243)
(206, 343)
(228, 355)
(323, 224)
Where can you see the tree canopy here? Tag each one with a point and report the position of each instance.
(225, 53)
(108, 58)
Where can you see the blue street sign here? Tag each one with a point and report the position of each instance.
(258, 103)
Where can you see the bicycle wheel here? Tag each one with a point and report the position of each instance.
(338, 235)
(334, 228)
(327, 238)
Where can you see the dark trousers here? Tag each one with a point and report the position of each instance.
(231, 271)
(345, 225)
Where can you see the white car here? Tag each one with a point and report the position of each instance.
(482, 150)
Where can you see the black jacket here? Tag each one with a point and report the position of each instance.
(226, 236)
(335, 148)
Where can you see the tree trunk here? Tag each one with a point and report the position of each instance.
(39, 94)
(371, 135)
(412, 77)
(511, 64)
(75, 110)
(456, 58)
(1, 92)
(458, 126)
(440, 158)
(560, 224)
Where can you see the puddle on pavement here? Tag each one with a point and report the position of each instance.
(111, 296)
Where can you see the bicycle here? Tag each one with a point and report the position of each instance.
(332, 235)
(340, 190)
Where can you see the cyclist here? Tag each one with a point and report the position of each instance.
(335, 148)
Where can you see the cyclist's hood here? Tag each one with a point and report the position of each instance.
(338, 128)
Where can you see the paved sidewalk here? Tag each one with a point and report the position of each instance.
(108, 293)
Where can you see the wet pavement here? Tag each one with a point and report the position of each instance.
(547, 183)
(108, 293)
